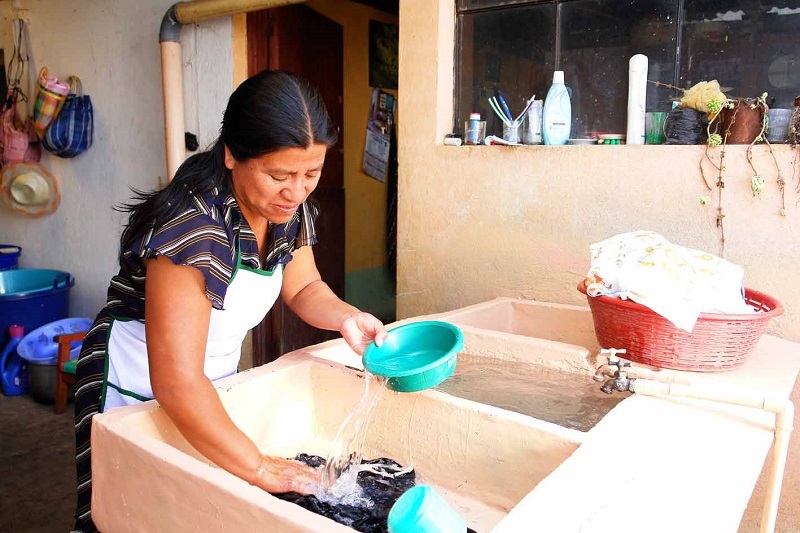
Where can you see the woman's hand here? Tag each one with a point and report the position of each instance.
(360, 329)
(276, 476)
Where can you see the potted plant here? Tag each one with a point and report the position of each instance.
(730, 121)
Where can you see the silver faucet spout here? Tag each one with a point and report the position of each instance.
(617, 370)
(619, 384)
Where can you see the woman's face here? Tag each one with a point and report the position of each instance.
(273, 186)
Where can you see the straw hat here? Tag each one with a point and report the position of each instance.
(29, 188)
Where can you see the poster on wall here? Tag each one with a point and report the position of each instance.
(379, 134)
(383, 42)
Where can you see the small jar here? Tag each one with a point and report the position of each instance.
(474, 129)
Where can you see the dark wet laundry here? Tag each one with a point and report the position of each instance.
(383, 492)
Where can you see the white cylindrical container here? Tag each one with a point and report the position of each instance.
(532, 126)
(637, 98)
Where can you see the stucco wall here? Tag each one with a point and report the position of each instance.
(113, 47)
(476, 223)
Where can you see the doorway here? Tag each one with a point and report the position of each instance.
(298, 39)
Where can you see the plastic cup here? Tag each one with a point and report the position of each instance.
(422, 510)
(511, 133)
(532, 124)
(474, 131)
(654, 123)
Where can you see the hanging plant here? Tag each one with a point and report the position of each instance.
(734, 121)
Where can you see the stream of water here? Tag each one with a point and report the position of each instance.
(339, 480)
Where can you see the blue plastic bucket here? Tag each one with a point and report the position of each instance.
(32, 297)
(9, 255)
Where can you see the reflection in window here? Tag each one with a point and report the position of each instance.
(749, 47)
(515, 45)
(513, 50)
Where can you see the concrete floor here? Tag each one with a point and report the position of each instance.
(37, 467)
(37, 472)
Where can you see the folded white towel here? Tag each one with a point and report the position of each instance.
(677, 283)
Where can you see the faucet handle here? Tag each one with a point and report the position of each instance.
(612, 355)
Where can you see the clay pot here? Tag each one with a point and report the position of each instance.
(742, 123)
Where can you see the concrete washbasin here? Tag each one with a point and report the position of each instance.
(483, 460)
(501, 470)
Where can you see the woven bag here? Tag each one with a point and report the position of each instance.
(50, 96)
(71, 133)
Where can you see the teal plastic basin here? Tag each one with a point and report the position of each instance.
(421, 509)
(416, 356)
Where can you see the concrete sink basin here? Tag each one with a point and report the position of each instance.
(482, 459)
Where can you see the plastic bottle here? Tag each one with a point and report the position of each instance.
(637, 98)
(13, 370)
(557, 113)
(474, 129)
(532, 125)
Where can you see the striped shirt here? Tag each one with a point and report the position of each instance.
(209, 236)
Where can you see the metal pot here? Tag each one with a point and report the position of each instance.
(42, 383)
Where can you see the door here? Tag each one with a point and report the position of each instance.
(298, 39)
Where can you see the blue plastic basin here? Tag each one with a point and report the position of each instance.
(38, 346)
(416, 356)
(9, 255)
(32, 297)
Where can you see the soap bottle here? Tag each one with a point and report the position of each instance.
(13, 370)
(557, 113)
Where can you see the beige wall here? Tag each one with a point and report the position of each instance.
(365, 197)
(476, 223)
(113, 46)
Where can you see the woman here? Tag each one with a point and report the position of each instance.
(202, 262)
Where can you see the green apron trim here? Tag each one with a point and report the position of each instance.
(129, 393)
(258, 271)
(106, 383)
(105, 365)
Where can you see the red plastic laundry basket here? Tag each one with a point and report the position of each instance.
(718, 341)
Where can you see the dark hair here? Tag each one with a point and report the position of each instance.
(267, 112)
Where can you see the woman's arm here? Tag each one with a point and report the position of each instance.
(312, 300)
(177, 314)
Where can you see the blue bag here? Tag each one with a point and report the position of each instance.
(72, 130)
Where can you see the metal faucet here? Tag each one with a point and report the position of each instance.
(616, 369)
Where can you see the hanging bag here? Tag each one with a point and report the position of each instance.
(19, 139)
(50, 96)
(20, 142)
(72, 131)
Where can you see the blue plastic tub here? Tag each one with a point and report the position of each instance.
(9, 255)
(32, 297)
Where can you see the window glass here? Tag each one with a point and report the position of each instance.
(463, 5)
(516, 45)
(598, 39)
(512, 49)
(749, 48)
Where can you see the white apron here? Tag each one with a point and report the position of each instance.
(250, 296)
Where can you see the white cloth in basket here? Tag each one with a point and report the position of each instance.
(677, 283)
